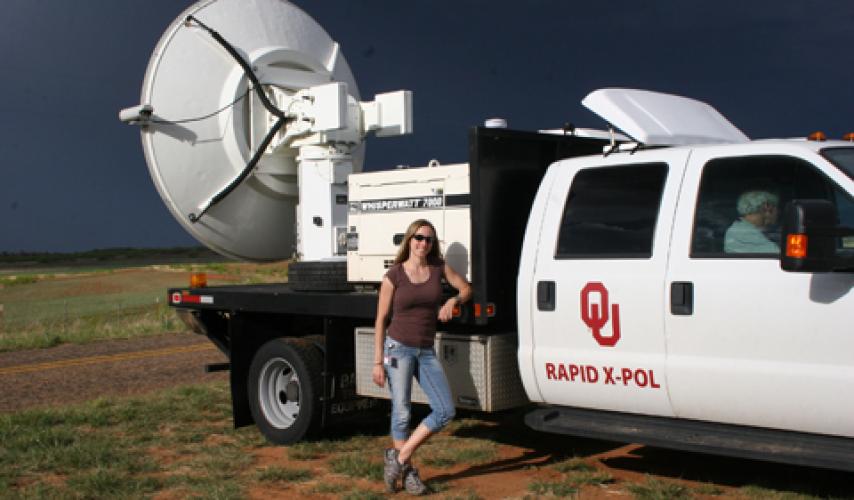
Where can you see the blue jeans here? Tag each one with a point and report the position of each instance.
(402, 363)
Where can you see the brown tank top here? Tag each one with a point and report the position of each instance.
(415, 306)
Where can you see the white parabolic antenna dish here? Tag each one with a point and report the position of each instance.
(191, 76)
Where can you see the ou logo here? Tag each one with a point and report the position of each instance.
(596, 314)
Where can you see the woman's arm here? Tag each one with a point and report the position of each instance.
(383, 308)
(464, 293)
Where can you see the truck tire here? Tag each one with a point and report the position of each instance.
(284, 390)
(319, 277)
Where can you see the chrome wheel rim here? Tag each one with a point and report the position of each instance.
(279, 392)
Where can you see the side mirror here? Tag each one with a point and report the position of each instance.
(810, 236)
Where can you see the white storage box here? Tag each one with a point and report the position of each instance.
(481, 370)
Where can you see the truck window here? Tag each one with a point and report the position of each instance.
(842, 158)
(740, 200)
(611, 212)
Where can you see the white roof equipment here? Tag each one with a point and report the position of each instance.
(656, 119)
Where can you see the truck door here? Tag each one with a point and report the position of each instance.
(597, 289)
(747, 342)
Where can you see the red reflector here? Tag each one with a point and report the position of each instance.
(457, 311)
(191, 299)
(796, 246)
(477, 310)
(490, 310)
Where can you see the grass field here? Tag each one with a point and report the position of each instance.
(47, 306)
(180, 443)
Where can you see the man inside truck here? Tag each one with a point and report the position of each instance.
(757, 212)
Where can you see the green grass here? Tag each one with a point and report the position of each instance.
(359, 494)
(45, 310)
(575, 474)
(180, 443)
(555, 488)
(313, 450)
(109, 448)
(709, 490)
(446, 451)
(105, 255)
(656, 489)
(278, 474)
(574, 464)
(765, 493)
(357, 466)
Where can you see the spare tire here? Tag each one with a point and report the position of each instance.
(321, 276)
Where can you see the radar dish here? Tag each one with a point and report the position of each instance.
(193, 151)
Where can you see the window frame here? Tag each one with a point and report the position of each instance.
(665, 171)
(692, 254)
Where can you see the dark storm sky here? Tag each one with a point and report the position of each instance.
(74, 177)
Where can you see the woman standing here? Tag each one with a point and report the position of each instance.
(412, 291)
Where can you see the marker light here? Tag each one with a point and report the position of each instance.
(818, 135)
(458, 311)
(796, 246)
(490, 310)
(198, 280)
(848, 137)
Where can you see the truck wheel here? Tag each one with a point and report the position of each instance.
(284, 390)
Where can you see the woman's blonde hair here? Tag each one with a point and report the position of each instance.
(403, 252)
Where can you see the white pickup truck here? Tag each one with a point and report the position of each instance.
(674, 284)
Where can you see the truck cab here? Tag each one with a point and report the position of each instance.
(632, 297)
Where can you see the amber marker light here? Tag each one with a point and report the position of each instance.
(818, 135)
(490, 310)
(848, 137)
(796, 246)
(198, 280)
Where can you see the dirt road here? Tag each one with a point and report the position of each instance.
(74, 373)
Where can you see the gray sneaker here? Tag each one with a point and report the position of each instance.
(412, 482)
(393, 469)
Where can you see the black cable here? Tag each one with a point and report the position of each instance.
(282, 120)
(249, 166)
(200, 118)
(243, 64)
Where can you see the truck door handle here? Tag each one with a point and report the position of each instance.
(682, 298)
(546, 295)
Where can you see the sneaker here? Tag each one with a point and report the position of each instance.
(393, 469)
(412, 482)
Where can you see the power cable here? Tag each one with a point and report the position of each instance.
(204, 117)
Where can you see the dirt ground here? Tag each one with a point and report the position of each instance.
(72, 373)
(75, 373)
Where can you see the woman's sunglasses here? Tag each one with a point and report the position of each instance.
(421, 237)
